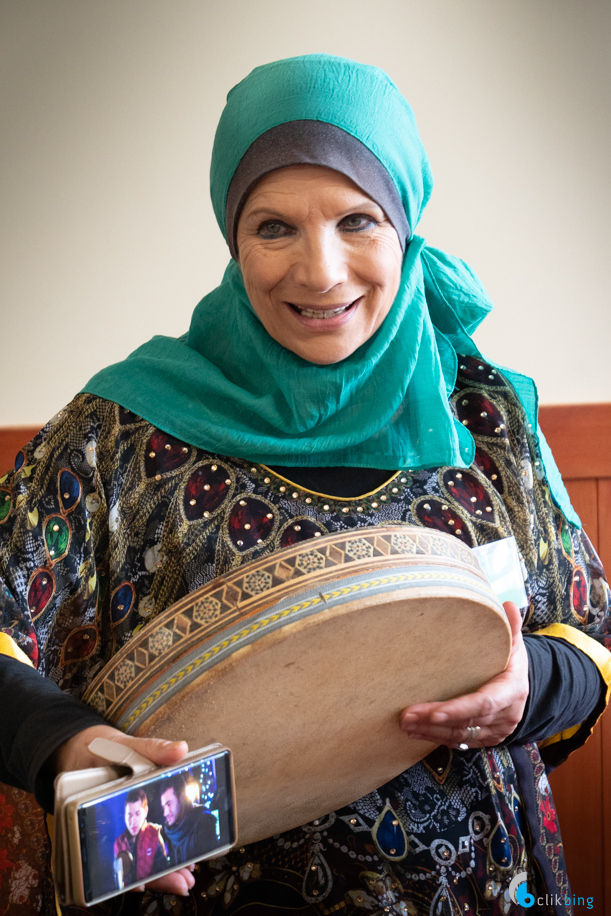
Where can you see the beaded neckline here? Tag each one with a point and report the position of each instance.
(323, 502)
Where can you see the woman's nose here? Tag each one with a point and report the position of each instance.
(321, 263)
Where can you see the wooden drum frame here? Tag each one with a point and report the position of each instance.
(301, 662)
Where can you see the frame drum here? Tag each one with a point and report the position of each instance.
(302, 660)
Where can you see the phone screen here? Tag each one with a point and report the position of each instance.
(133, 835)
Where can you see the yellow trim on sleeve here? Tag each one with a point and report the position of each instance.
(9, 647)
(560, 736)
(590, 647)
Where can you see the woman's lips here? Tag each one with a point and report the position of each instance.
(324, 318)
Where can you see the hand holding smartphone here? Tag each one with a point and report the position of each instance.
(115, 833)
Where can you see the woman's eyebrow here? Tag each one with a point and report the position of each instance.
(272, 213)
(362, 205)
(268, 212)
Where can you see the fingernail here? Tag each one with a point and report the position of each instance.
(409, 717)
(192, 866)
(439, 717)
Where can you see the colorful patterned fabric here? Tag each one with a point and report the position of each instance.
(107, 521)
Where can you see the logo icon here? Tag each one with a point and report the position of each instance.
(519, 892)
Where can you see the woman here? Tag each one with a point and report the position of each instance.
(334, 364)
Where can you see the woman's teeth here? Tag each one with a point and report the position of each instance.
(318, 313)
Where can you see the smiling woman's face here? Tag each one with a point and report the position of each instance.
(320, 260)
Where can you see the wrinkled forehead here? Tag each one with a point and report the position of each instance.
(312, 143)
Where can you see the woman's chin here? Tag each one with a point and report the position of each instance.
(324, 352)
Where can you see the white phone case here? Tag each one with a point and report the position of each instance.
(76, 787)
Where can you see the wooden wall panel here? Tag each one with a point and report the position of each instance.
(12, 438)
(575, 433)
(584, 499)
(580, 438)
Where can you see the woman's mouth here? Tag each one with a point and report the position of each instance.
(320, 314)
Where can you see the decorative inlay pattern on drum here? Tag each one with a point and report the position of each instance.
(403, 543)
(258, 582)
(206, 610)
(125, 673)
(178, 675)
(160, 640)
(359, 549)
(241, 594)
(310, 561)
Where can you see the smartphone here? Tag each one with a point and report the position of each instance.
(125, 836)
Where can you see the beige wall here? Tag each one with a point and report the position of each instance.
(108, 114)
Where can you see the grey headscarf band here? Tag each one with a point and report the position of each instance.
(313, 143)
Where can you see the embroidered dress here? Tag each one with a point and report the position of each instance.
(107, 521)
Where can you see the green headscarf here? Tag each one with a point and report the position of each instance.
(226, 386)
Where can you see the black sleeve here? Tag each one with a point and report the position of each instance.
(205, 834)
(566, 689)
(36, 718)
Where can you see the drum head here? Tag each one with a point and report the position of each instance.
(307, 690)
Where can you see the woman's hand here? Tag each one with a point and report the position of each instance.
(74, 754)
(496, 708)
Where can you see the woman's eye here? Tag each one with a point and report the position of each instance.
(358, 221)
(273, 229)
